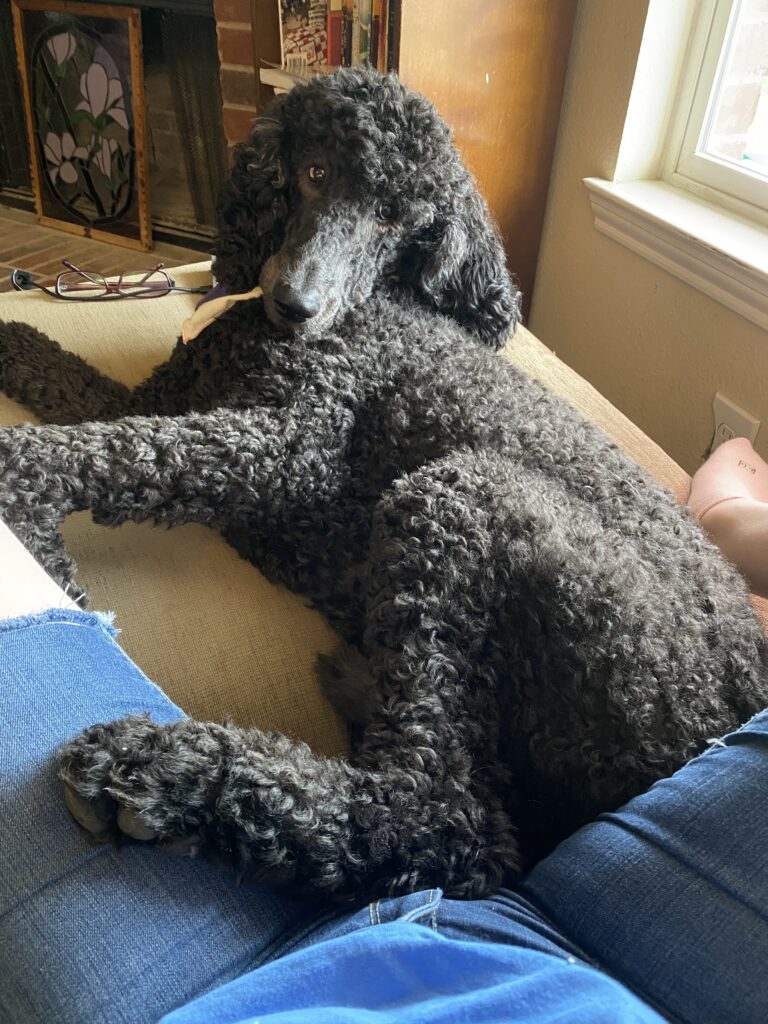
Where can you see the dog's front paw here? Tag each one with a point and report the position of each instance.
(135, 778)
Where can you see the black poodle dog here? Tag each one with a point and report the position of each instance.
(534, 630)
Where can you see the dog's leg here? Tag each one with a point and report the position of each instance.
(263, 802)
(208, 468)
(57, 386)
(413, 809)
(60, 387)
(274, 809)
(419, 803)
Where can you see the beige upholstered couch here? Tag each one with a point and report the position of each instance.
(203, 624)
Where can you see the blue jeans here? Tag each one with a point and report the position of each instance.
(669, 896)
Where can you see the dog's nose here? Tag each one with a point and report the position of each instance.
(294, 306)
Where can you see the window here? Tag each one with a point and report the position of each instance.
(690, 185)
(719, 138)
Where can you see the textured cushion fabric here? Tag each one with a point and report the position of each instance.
(201, 622)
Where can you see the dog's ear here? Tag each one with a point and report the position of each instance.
(253, 204)
(460, 267)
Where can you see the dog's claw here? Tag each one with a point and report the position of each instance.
(97, 817)
(104, 820)
(131, 824)
(105, 771)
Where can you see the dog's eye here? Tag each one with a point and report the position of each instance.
(384, 213)
(316, 174)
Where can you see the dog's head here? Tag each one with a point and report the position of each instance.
(349, 179)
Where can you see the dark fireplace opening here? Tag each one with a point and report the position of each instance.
(14, 159)
(186, 147)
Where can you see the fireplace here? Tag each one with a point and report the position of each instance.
(187, 148)
(184, 117)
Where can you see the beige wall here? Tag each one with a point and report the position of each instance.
(654, 346)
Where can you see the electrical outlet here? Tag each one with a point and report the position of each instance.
(732, 421)
(723, 433)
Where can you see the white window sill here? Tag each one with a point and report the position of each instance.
(719, 252)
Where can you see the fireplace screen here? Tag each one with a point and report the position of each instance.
(187, 151)
(83, 92)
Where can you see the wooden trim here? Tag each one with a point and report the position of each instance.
(265, 36)
(95, 234)
(71, 7)
(21, 57)
(98, 236)
(133, 17)
(708, 247)
(139, 128)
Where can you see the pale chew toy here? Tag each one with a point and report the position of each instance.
(209, 311)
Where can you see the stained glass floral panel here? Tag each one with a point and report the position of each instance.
(83, 90)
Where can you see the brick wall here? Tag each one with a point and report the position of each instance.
(239, 87)
(248, 33)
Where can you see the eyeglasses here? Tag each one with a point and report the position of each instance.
(85, 286)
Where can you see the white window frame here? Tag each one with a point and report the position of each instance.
(686, 165)
(711, 239)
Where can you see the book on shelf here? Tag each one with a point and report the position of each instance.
(393, 36)
(376, 8)
(334, 31)
(361, 31)
(317, 34)
(304, 31)
(386, 7)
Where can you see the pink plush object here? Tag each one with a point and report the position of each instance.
(734, 470)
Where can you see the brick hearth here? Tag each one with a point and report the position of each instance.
(30, 246)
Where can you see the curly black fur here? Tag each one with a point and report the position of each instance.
(536, 630)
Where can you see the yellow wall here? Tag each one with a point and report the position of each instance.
(654, 346)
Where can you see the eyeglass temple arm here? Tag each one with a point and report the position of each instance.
(83, 273)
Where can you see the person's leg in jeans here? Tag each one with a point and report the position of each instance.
(92, 933)
(670, 894)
